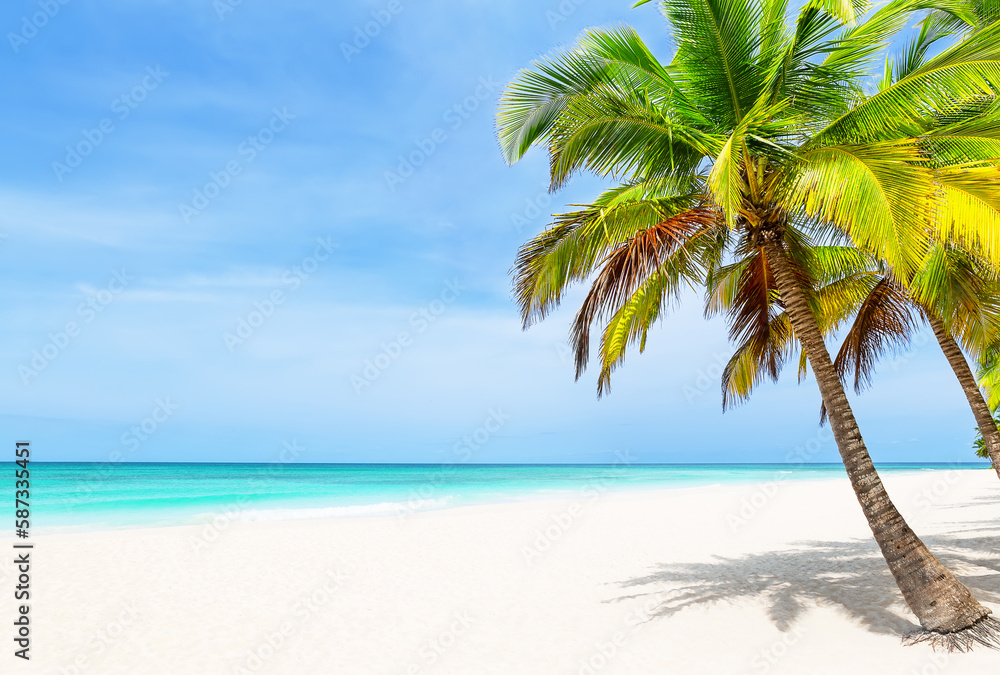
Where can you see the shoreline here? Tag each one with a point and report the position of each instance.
(243, 510)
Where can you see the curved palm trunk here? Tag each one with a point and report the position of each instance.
(940, 601)
(980, 408)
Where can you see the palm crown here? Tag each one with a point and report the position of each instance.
(753, 116)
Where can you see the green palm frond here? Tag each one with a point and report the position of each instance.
(726, 181)
(716, 54)
(878, 194)
(963, 291)
(619, 131)
(828, 264)
(852, 53)
(533, 102)
(915, 53)
(988, 376)
(579, 241)
(837, 302)
(791, 65)
(773, 30)
(964, 16)
(965, 142)
(968, 209)
(966, 71)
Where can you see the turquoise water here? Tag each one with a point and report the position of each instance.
(110, 495)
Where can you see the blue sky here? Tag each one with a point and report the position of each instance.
(219, 151)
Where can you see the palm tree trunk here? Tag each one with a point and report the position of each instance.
(980, 408)
(940, 601)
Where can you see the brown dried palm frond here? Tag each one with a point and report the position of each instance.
(629, 265)
(885, 321)
(756, 318)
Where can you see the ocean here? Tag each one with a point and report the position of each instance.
(86, 496)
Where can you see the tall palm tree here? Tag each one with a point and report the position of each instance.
(759, 137)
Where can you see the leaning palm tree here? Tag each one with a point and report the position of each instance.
(980, 444)
(759, 137)
(958, 296)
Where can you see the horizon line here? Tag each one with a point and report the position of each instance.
(984, 464)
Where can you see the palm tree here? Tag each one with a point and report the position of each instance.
(980, 443)
(989, 433)
(760, 137)
(959, 297)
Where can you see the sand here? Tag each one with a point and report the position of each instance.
(767, 578)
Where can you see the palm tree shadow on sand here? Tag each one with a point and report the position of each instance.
(848, 575)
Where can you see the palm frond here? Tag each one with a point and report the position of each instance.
(885, 321)
(878, 194)
(967, 141)
(532, 103)
(963, 292)
(759, 358)
(988, 376)
(631, 264)
(968, 209)
(969, 70)
(618, 131)
(578, 241)
(715, 60)
(632, 321)
(726, 181)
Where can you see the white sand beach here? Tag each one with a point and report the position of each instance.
(776, 578)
